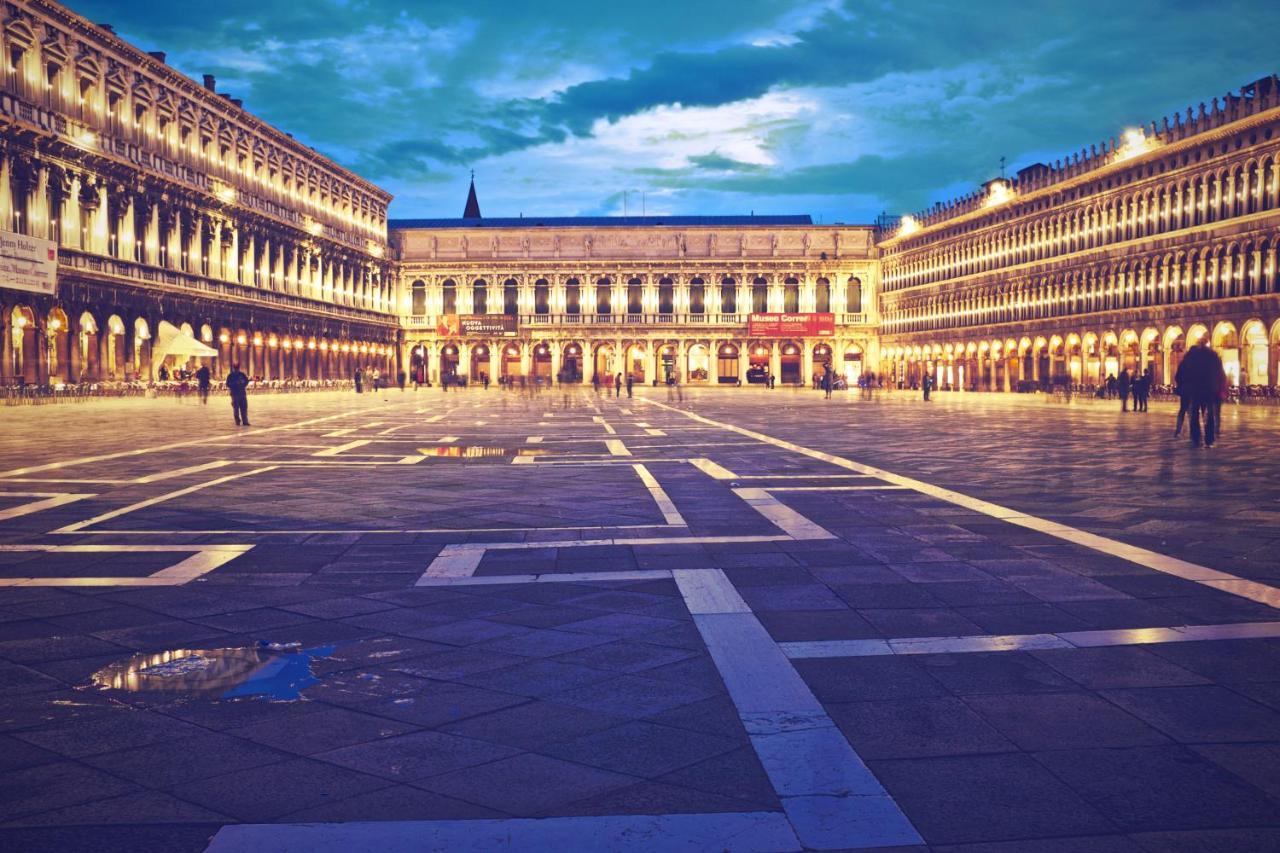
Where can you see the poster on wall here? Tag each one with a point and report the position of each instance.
(28, 263)
(467, 325)
(779, 325)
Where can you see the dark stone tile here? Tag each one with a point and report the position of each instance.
(191, 838)
(1038, 721)
(440, 703)
(397, 802)
(141, 807)
(321, 731)
(534, 725)
(536, 678)
(1209, 840)
(923, 622)
(993, 672)
(887, 595)
(1204, 714)
(1117, 666)
(736, 774)
(1023, 618)
(123, 729)
(172, 762)
(916, 728)
(260, 794)
(415, 756)
(526, 785)
(809, 596)
(1226, 661)
(625, 656)
(1160, 788)
(50, 786)
(867, 678)
(651, 798)
(797, 625)
(1255, 763)
(633, 696)
(642, 749)
(986, 798)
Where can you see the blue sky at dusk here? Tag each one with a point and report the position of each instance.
(837, 109)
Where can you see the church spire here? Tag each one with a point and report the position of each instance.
(472, 210)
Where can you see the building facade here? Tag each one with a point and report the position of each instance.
(164, 206)
(1118, 258)
(166, 202)
(650, 297)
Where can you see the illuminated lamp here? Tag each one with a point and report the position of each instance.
(257, 339)
(224, 338)
(312, 345)
(241, 339)
(272, 341)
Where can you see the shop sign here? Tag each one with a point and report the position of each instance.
(28, 263)
(778, 325)
(467, 325)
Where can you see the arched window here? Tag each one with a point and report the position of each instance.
(791, 296)
(573, 296)
(603, 296)
(822, 296)
(697, 296)
(760, 296)
(853, 295)
(480, 297)
(419, 304)
(635, 296)
(728, 296)
(666, 296)
(449, 292)
(510, 298)
(541, 297)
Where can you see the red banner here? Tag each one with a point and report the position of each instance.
(791, 325)
(466, 325)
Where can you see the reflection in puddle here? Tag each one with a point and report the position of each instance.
(475, 452)
(275, 671)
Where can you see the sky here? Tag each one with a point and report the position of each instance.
(841, 109)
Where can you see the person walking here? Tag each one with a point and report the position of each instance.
(202, 382)
(484, 379)
(828, 380)
(400, 379)
(1143, 388)
(238, 387)
(630, 381)
(1123, 387)
(617, 386)
(926, 383)
(1197, 379)
(595, 382)
(359, 379)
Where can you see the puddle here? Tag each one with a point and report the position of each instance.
(476, 452)
(276, 672)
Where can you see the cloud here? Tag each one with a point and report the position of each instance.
(825, 106)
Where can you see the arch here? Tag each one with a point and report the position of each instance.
(418, 298)
(1255, 354)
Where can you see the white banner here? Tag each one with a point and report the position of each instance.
(28, 263)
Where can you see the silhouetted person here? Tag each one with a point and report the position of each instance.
(359, 377)
(1123, 386)
(595, 382)
(238, 388)
(1142, 390)
(630, 381)
(202, 382)
(828, 380)
(925, 384)
(484, 378)
(163, 375)
(1110, 385)
(617, 386)
(1199, 379)
(400, 379)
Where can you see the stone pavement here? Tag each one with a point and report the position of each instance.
(744, 620)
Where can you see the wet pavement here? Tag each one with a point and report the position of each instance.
(749, 620)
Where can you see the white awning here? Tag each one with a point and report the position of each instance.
(174, 341)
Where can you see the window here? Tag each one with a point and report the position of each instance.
(666, 296)
(635, 297)
(541, 297)
(853, 296)
(791, 296)
(759, 296)
(510, 298)
(697, 296)
(822, 296)
(419, 305)
(728, 296)
(450, 297)
(480, 297)
(573, 297)
(603, 297)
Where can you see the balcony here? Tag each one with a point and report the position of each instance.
(723, 321)
(72, 261)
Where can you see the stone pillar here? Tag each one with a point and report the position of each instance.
(775, 360)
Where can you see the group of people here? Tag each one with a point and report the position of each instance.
(1126, 385)
(376, 380)
(1202, 386)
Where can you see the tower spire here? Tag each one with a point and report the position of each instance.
(472, 210)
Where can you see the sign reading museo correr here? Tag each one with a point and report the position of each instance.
(791, 325)
(465, 325)
(28, 263)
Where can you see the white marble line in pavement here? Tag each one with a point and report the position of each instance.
(713, 470)
(616, 447)
(548, 577)
(1030, 642)
(782, 516)
(51, 500)
(741, 832)
(116, 513)
(204, 559)
(829, 795)
(885, 487)
(669, 512)
(1163, 563)
(350, 445)
(534, 439)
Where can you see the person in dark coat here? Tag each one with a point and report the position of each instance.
(617, 386)
(1142, 389)
(359, 377)
(1123, 386)
(202, 382)
(630, 381)
(925, 384)
(238, 388)
(1199, 379)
